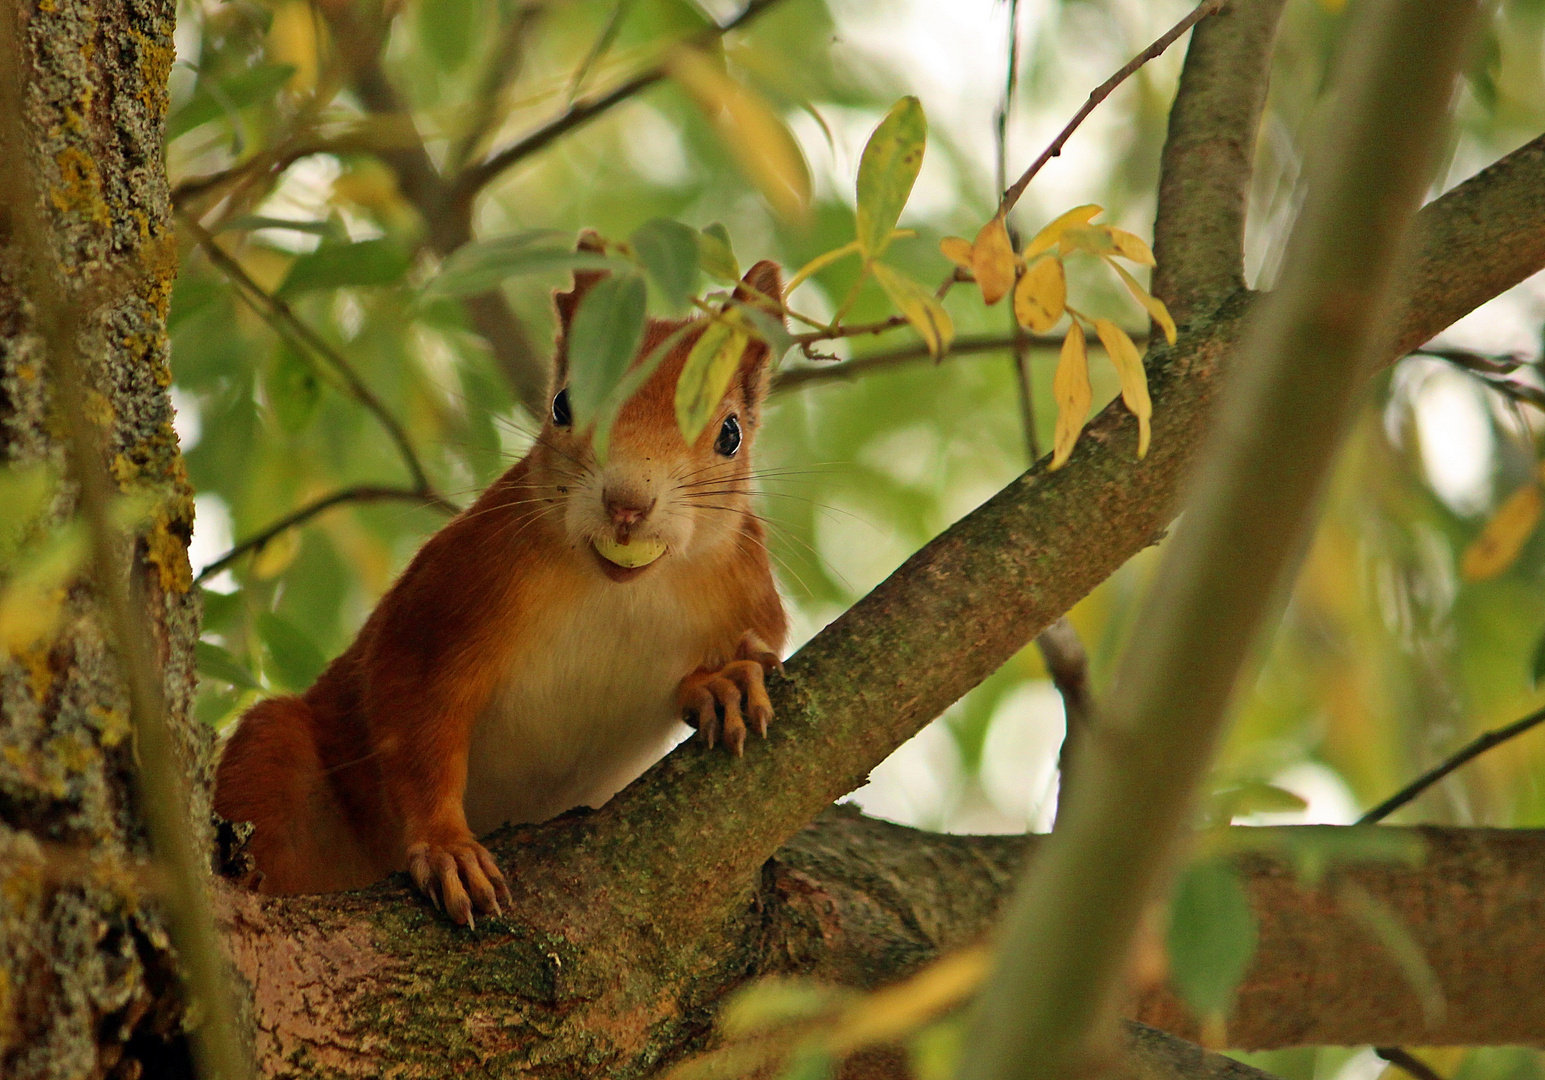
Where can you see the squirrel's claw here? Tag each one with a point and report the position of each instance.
(723, 704)
(460, 878)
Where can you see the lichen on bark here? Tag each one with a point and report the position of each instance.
(87, 981)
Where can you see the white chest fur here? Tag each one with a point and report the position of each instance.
(588, 707)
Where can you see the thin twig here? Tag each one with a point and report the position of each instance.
(1408, 1062)
(1468, 752)
(971, 344)
(279, 311)
(1099, 94)
(1067, 663)
(363, 493)
(504, 67)
(162, 786)
(1493, 372)
(474, 178)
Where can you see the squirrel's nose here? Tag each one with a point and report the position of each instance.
(626, 509)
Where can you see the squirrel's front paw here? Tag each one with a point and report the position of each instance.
(460, 877)
(721, 704)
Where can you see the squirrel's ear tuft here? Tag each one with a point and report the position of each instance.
(568, 302)
(763, 286)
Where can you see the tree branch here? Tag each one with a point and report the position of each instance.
(354, 984)
(1099, 94)
(475, 178)
(363, 493)
(1471, 750)
(279, 312)
(1209, 157)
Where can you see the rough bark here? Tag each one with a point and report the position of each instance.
(1209, 157)
(373, 982)
(87, 982)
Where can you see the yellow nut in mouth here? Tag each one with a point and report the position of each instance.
(630, 555)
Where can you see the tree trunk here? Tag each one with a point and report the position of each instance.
(88, 985)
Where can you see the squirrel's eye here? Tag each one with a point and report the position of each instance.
(561, 415)
(729, 437)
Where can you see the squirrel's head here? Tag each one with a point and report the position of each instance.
(654, 500)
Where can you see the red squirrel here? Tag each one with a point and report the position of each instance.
(537, 652)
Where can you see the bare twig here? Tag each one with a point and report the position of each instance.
(476, 177)
(1467, 753)
(363, 493)
(969, 345)
(1099, 94)
(1408, 1063)
(504, 67)
(1492, 371)
(163, 788)
(1068, 665)
(279, 312)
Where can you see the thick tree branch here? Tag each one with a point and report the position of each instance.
(353, 985)
(1209, 157)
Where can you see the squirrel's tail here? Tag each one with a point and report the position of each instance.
(272, 775)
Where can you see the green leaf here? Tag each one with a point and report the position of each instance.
(921, 307)
(220, 609)
(768, 327)
(293, 656)
(716, 254)
(448, 30)
(214, 662)
(668, 249)
(333, 266)
(292, 388)
(707, 373)
(485, 264)
(224, 97)
(25, 491)
(605, 335)
(1212, 936)
(886, 173)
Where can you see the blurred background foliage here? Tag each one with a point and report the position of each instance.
(1387, 659)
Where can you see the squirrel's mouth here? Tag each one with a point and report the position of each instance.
(626, 561)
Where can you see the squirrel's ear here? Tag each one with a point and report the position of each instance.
(567, 302)
(763, 286)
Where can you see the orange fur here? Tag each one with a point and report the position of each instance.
(512, 673)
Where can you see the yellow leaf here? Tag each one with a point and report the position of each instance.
(887, 1015)
(1041, 295)
(1503, 537)
(1130, 246)
(919, 305)
(992, 261)
(1152, 304)
(760, 141)
(1134, 380)
(292, 39)
(275, 557)
(957, 251)
(1095, 239)
(1048, 237)
(707, 373)
(1070, 386)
